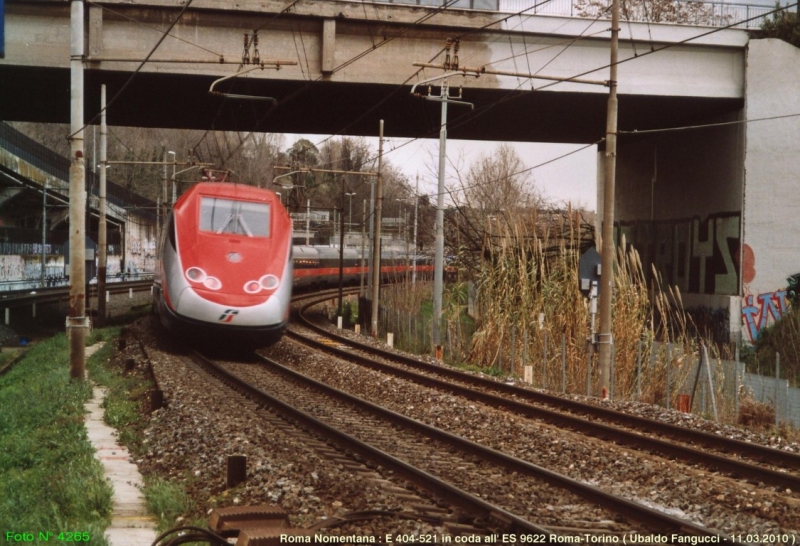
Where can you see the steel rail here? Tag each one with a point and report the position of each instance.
(715, 462)
(444, 490)
(19, 298)
(657, 521)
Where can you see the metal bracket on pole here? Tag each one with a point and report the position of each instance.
(453, 100)
(78, 322)
(272, 64)
(609, 340)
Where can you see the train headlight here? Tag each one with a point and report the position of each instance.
(212, 283)
(269, 282)
(252, 287)
(195, 274)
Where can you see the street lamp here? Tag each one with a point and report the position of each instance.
(350, 221)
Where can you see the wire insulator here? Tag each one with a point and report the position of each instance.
(256, 54)
(246, 51)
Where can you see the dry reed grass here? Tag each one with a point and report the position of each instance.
(531, 312)
(520, 283)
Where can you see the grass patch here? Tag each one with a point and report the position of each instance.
(125, 393)
(167, 500)
(126, 402)
(49, 479)
(7, 355)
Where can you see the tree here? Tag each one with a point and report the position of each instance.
(652, 11)
(496, 192)
(783, 25)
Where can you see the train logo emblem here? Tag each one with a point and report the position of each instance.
(228, 315)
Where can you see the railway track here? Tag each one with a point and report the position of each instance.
(506, 498)
(447, 465)
(738, 459)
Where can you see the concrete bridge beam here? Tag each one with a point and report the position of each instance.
(356, 65)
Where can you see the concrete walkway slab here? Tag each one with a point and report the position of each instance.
(131, 525)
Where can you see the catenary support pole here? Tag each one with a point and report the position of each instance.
(605, 338)
(102, 245)
(363, 250)
(416, 222)
(438, 262)
(376, 244)
(43, 280)
(76, 321)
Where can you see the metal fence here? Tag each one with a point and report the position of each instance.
(715, 14)
(412, 333)
(664, 375)
(776, 393)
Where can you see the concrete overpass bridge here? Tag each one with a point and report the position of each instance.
(354, 65)
(712, 206)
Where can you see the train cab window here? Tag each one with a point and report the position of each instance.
(234, 217)
(171, 231)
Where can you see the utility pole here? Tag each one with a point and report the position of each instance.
(605, 337)
(341, 252)
(376, 243)
(350, 220)
(438, 261)
(416, 221)
(102, 246)
(371, 232)
(363, 250)
(452, 66)
(44, 234)
(76, 321)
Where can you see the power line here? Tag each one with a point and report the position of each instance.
(139, 68)
(145, 25)
(706, 125)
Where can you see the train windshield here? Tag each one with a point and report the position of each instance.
(234, 217)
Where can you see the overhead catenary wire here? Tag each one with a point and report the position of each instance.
(469, 117)
(286, 10)
(706, 125)
(138, 69)
(357, 57)
(346, 63)
(105, 7)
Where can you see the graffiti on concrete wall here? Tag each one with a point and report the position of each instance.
(699, 256)
(760, 311)
(141, 255)
(113, 266)
(12, 268)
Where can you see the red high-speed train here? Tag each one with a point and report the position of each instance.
(226, 265)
